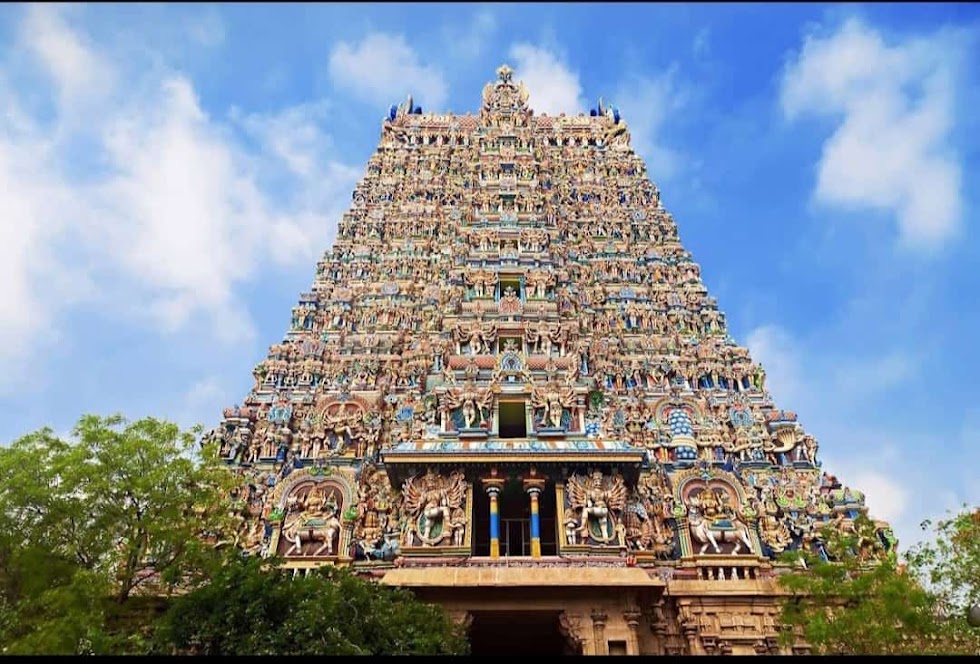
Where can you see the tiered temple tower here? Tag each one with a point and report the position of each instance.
(510, 391)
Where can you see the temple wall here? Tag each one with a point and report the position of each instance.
(679, 617)
(508, 386)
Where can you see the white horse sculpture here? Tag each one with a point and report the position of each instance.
(710, 533)
(313, 529)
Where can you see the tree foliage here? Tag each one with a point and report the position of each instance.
(853, 603)
(950, 562)
(98, 534)
(256, 607)
(122, 508)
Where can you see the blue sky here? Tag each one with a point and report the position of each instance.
(169, 175)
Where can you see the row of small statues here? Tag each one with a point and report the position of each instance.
(430, 511)
(612, 377)
(628, 353)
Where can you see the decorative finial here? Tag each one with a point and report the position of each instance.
(504, 72)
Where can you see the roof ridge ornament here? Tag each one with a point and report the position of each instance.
(504, 98)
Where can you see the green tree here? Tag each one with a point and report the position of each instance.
(950, 562)
(122, 508)
(863, 602)
(254, 607)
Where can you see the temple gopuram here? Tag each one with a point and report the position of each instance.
(510, 392)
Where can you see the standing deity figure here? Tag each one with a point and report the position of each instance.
(343, 427)
(477, 281)
(469, 406)
(552, 401)
(533, 338)
(477, 337)
(807, 449)
(539, 282)
(600, 502)
(435, 505)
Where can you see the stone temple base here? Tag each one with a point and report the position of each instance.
(517, 606)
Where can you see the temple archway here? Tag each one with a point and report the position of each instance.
(519, 632)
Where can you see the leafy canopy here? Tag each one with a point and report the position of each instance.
(122, 508)
(861, 604)
(255, 607)
(99, 534)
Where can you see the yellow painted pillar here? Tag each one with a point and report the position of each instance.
(535, 523)
(494, 522)
(534, 484)
(493, 485)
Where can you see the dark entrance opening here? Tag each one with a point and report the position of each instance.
(513, 421)
(514, 509)
(517, 633)
(515, 520)
(481, 521)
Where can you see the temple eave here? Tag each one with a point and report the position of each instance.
(511, 457)
(460, 577)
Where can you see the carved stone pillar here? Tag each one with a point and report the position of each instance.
(493, 485)
(658, 625)
(599, 619)
(535, 523)
(534, 485)
(689, 627)
(570, 625)
(632, 617)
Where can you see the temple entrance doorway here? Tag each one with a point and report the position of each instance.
(518, 633)
(514, 508)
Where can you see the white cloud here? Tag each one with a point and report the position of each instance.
(822, 390)
(79, 72)
(470, 40)
(203, 401)
(24, 249)
(206, 28)
(886, 498)
(292, 135)
(553, 88)
(134, 198)
(876, 374)
(776, 351)
(383, 69)
(645, 104)
(892, 150)
(701, 46)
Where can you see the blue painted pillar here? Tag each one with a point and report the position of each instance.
(535, 523)
(493, 485)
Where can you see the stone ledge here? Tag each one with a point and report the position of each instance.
(455, 577)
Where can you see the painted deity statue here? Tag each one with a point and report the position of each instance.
(599, 501)
(711, 518)
(315, 520)
(436, 506)
(470, 404)
(552, 402)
